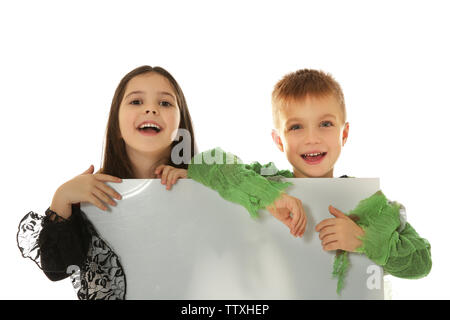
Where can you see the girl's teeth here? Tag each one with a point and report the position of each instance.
(151, 126)
(147, 125)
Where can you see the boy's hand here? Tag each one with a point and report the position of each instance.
(340, 232)
(169, 175)
(282, 209)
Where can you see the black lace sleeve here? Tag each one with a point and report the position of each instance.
(54, 243)
(63, 243)
(72, 247)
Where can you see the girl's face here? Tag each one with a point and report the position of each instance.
(149, 99)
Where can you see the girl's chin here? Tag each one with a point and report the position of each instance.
(155, 149)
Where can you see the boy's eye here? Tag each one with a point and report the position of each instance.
(326, 124)
(295, 127)
(165, 104)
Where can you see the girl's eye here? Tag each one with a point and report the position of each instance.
(165, 104)
(295, 127)
(136, 102)
(326, 124)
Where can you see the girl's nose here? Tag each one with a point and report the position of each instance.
(153, 111)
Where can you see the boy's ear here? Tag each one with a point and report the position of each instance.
(276, 138)
(345, 133)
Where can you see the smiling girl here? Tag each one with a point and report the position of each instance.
(147, 110)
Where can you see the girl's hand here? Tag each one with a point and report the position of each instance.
(289, 210)
(88, 187)
(340, 232)
(169, 175)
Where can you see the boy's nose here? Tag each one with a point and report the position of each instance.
(312, 136)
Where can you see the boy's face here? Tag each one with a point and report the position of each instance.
(311, 133)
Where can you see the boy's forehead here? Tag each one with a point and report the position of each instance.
(310, 107)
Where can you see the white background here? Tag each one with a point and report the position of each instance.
(61, 62)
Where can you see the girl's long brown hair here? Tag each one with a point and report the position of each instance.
(115, 158)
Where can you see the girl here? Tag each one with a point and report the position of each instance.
(147, 110)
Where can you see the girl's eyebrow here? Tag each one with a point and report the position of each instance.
(166, 93)
(133, 92)
(159, 92)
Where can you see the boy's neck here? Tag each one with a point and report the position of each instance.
(299, 174)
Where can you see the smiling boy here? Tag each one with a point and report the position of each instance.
(311, 131)
(309, 116)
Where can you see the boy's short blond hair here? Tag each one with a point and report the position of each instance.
(297, 85)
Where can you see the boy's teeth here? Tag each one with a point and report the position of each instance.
(313, 154)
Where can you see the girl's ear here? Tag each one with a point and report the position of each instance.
(276, 138)
(345, 133)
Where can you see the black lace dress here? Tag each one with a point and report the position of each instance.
(72, 247)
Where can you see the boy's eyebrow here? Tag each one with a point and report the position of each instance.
(321, 117)
(328, 115)
(293, 119)
(159, 92)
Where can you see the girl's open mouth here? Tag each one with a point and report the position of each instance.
(313, 158)
(149, 129)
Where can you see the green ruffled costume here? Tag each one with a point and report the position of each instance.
(387, 241)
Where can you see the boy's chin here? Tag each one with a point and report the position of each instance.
(308, 173)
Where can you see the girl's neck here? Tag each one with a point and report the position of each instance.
(144, 164)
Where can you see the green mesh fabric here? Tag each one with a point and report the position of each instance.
(403, 254)
(268, 170)
(235, 181)
(340, 268)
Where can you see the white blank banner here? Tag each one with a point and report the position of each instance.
(189, 243)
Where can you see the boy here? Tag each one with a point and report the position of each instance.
(309, 117)
(310, 128)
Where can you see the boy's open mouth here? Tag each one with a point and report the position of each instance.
(313, 158)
